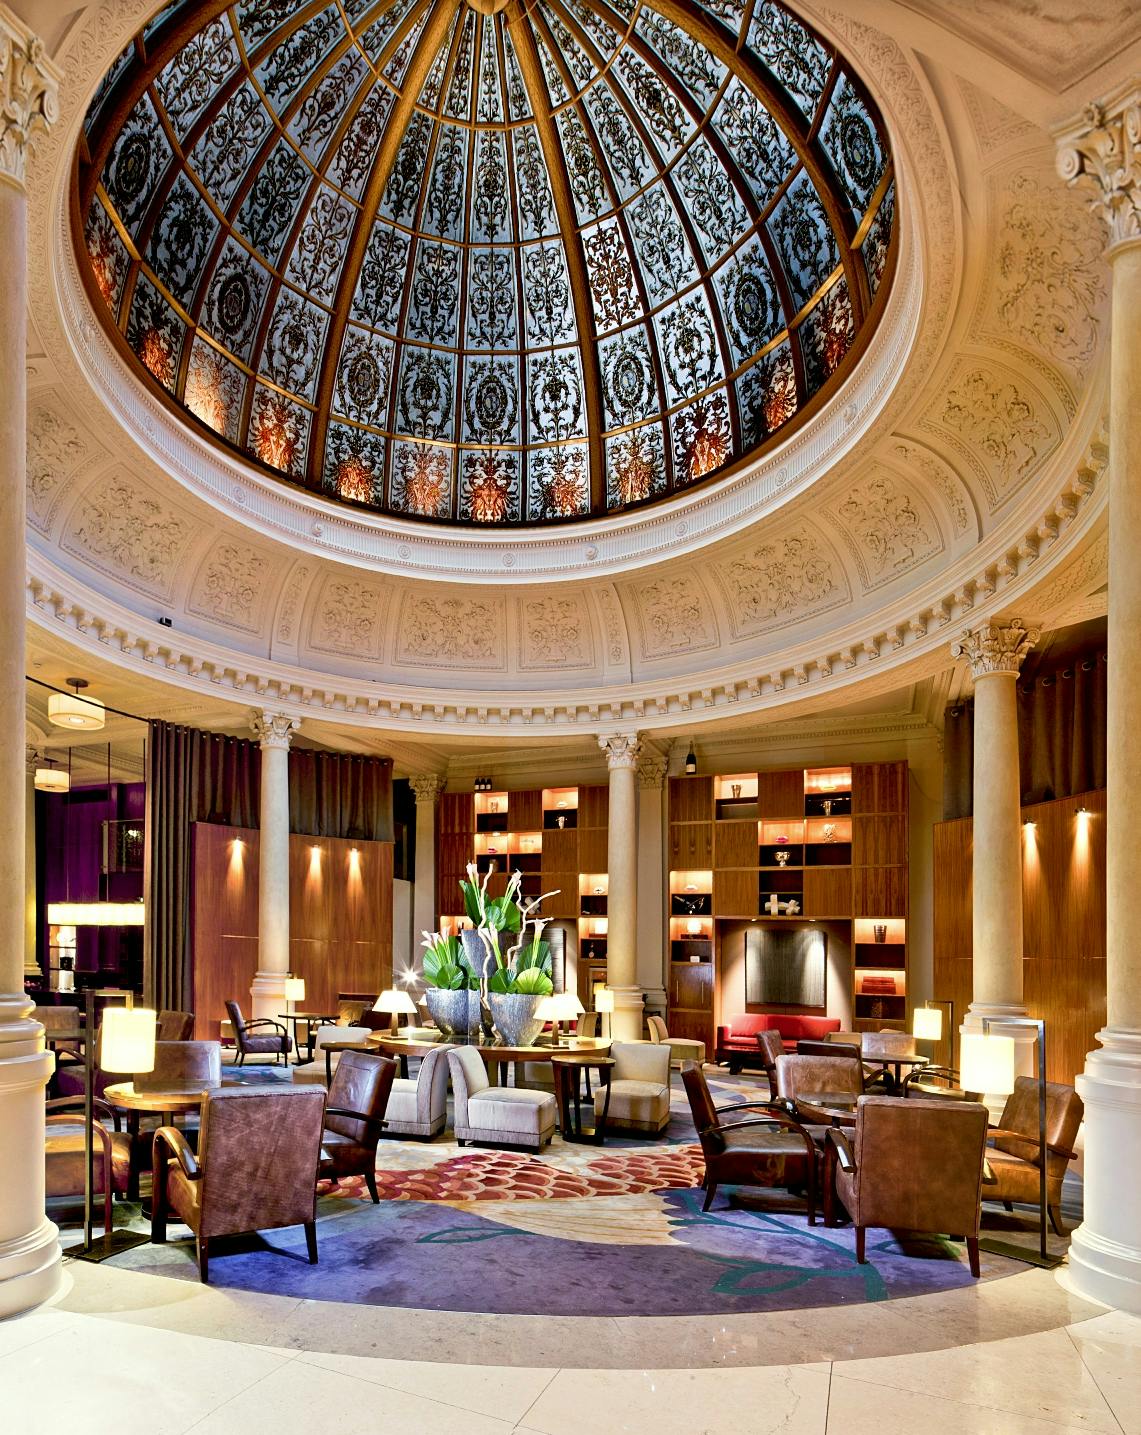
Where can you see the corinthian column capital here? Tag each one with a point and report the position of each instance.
(995, 647)
(1101, 150)
(273, 729)
(622, 749)
(29, 94)
(652, 770)
(427, 786)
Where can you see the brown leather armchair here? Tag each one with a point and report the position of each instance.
(770, 1045)
(251, 1042)
(1014, 1157)
(800, 1078)
(769, 1149)
(911, 1165)
(256, 1168)
(65, 1149)
(354, 1118)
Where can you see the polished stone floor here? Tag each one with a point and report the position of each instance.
(120, 1352)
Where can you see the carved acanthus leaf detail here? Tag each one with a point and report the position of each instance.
(426, 786)
(995, 647)
(676, 618)
(555, 632)
(273, 729)
(621, 749)
(29, 94)
(1102, 151)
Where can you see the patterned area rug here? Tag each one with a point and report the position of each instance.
(580, 1230)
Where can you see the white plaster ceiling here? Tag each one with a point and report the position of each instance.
(973, 484)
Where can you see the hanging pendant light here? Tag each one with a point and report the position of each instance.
(50, 778)
(72, 711)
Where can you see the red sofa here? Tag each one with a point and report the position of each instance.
(737, 1040)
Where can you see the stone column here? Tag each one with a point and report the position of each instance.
(1101, 150)
(427, 789)
(29, 1248)
(622, 751)
(274, 732)
(995, 652)
(31, 965)
(651, 938)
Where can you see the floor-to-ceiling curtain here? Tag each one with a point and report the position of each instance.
(337, 794)
(191, 776)
(1061, 738)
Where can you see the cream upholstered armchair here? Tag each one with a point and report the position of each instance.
(682, 1048)
(324, 1063)
(507, 1115)
(418, 1106)
(639, 1087)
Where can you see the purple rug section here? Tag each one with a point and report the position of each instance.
(428, 1256)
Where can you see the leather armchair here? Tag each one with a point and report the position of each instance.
(255, 1038)
(770, 1045)
(800, 1078)
(770, 1148)
(256, 1167)
(911, 1165)
(65, 1152)
(354, 1117)
(1014, 1156)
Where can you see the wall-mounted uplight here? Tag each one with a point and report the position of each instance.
(237, 856)
(314, 862)
(354, 862)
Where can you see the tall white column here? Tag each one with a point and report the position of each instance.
(274, 732)
(622, 751)
(995, 652)
(427, 788)
(651, 933)
(31, 965)
(1102, 151)
(29, 1245)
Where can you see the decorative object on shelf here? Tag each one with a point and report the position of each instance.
(691, 886)
(792, 907)
(877, 1009)
(829, 831)
(560, 820)
(783, 838)
(72, 711)
(691, 904)
(879, 931)
(600, 891)
(736, 790)
(690, 762)
(776, 908)
(782, 858)
(562, 802)
(827, 805)
(693, 927)
(493, 805)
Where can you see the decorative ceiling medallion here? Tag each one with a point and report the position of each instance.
(482, 262)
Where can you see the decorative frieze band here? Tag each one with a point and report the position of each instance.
(995, 647)
(29, 94)
(1101, 150)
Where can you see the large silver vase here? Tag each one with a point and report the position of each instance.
(476, 954)
(513, 1014)
(455, 1013)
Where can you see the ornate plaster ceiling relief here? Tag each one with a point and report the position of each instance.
(996, 127)
(887, 526)
(122, 529)
(58, 457)
(234, 584)
(441, 630)
(916, 457)
(673, 615)
(349, 617)
(556, 631)
(770, 585)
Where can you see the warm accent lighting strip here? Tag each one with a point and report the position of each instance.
(96, 914)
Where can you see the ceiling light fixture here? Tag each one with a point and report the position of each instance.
(71, 710)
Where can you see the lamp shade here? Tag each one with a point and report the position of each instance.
(52, 779)
(927, 1023)
(604, 1000)
(295, 989)
(395, 1001)
(561, 1006)
(96, 914)
(70, 710)
(128, 1039)
(986, 1063)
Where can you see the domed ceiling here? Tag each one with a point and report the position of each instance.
(512, 267)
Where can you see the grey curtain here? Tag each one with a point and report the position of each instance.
(1061, 738)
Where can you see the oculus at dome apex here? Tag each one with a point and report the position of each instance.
(513, 268)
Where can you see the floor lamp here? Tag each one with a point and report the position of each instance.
(987, 1065)
(927, 1024)
(126, 1045)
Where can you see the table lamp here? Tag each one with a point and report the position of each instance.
(294, 992)
(557, 1008)
(604, 1002)
(395, 1003)
(128, 1040)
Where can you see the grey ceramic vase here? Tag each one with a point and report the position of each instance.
(513, 1014)
(455, 1013)
(476, 954)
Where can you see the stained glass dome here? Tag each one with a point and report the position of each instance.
(487, 262)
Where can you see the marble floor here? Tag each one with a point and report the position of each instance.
(120, 1352)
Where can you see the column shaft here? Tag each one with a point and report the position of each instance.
(996, 863)
(427, 790)
(622, 888)
(651, 929)
(268, 990)
(29, 1245)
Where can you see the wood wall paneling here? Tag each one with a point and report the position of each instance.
(592, 853)
(735, 893)
(781, 794)
(879, 891)
(594, 806)
(525, 810)
(691, 1002)
(1063, 907)
(827, 892)
(879, 841)
(455, 812)
(691, 799)
(735, 844)
(340, 919)
(691, 846)
(566, 901)
(560, 850)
